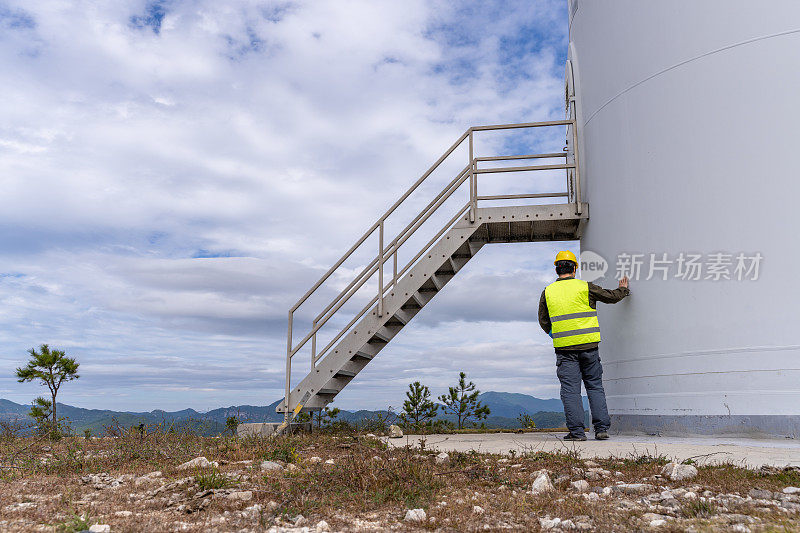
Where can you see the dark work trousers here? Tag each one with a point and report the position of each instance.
(574, 367)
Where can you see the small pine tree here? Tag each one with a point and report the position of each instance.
(41, 411)
(328, 416)
(52, 368)
(418, 409)
(526, 421)
(462, 402)
(231, 424)
(306, 416)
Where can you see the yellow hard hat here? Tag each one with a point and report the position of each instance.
(565, 255)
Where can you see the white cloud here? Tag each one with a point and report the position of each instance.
(262, 137)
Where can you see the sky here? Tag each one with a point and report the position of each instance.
(175, 174)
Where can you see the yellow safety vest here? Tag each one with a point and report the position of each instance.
(573, 319)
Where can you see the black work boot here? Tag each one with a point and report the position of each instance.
(575, 437)
(601, 435)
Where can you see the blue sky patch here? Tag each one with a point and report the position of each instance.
(154, 14)
(208, 254)
(16, 19)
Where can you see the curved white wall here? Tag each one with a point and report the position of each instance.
(690, 115)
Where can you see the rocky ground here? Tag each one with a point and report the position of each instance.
(168, 482)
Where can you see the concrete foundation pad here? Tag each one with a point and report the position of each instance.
(268, 428)
(752, 453)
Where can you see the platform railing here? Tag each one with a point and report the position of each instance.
(388, 251)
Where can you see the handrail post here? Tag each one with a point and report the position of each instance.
(473, 188)
(394, 269)
(288, 370)
(314, 346)
(380, 269)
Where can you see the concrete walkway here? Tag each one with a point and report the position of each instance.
(752, 453)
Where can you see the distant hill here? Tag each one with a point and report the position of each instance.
(505, 408)
(511, 404)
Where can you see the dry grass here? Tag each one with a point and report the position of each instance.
(368, 486)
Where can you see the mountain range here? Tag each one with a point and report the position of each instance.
(505, 408)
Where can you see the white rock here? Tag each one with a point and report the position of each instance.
(791, 490)
(270, 465)
(740, 528)
(678, 472)
(102, 480)
(372, 435)
(123, 514)
(477, 509)
(395, 432)
(541, 484)
(198, 462)
(322, 525)
(567, 524)
(633, 488)
(547, 523)
(690, 496)
(315, 460)
(241, 495)
(415, 515)
(442, 458)
(291, 467)
(100, 528)
(581, 485)
(330, 462)
(20, 506)
(591, 496)
(658, 523)
(147, 479)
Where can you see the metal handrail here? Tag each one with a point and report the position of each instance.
(393, 245)
(389, 251)
(513, 157)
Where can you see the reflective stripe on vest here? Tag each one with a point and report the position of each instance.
(573, 319)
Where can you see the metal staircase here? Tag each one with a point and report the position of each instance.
(359, 335)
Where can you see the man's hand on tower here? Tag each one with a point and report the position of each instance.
(623, 282)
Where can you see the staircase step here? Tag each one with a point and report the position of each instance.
(443, 277)
(363, 355)
(404, 316)
(420, 299)
(423, 297)
(345, 373)
(328, 392)
(353, 367)
(457, 263)
(475, 247)
(379, 337)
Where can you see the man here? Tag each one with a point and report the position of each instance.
(568, 313)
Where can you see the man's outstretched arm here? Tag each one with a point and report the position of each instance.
(608, 296)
